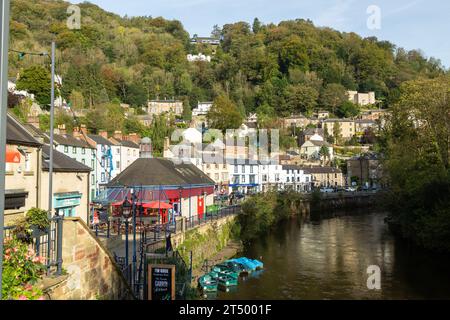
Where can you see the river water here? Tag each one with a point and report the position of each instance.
(328, 259)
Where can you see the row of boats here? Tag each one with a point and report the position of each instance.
(226, 274)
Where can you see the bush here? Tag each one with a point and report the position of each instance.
(21, 270)
(34, 219)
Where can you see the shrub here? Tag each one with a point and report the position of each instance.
(21, 270)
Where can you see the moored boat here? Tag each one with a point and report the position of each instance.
(208, 283)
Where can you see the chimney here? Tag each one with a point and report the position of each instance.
(118, 135)
(166, 144)
(134, 137)
(76, 133)
(62, 129)
(83, 129)
(34, 121)
(103, 133)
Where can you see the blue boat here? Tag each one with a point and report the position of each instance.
(259, 264)
(247, 263)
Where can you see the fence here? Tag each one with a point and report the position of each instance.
(47, 243)
(212, 215)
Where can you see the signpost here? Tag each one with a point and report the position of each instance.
(161, 282)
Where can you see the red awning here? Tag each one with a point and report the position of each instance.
(117, 204)
(12, 156)
(157, 205)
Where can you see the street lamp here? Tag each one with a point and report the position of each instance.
(180, 190)
(126, 214)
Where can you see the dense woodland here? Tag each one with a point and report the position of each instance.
(273, 69)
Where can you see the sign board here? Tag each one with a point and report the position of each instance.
(161, 282)
(12, 156)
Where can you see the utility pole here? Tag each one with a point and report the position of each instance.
(4, 46)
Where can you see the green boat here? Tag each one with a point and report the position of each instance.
(208, 283)
(237, 267)
(226, 281)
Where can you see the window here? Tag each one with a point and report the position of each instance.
(224, 176)
(27, 162)
(217, 166)
(93, 180)
(243, 169)
(103, 162)
(103, 177)
(134, 153)
(66, 149)
(128, 152)
(288, 180)
(217, 176)
(117, 164)
(251, 169)
(235, 179)
(93, 152)
(83, 151)
(74, 150)
(264, 178)
(92, 164)
(83, 161)
(243, 179)
(235, 169)
(117, 151)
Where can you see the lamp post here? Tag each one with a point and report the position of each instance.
(133, 202)
(126, 214)
(4, 44)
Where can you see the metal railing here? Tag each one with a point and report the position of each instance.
(45, 243)
(212, 215)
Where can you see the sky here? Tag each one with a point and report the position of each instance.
(411, 24)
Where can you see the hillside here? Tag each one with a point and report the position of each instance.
(274, 69)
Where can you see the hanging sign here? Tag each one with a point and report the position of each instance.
(161, 282)
(12, 156)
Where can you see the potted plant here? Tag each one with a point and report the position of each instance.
(34, 225)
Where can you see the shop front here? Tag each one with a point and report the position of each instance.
(66, 203)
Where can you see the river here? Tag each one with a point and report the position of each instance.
(328, 259)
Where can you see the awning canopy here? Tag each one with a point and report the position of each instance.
(157, 205)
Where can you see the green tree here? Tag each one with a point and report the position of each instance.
(187, 110)
(416, 144)
(333, 96)
(302, 99)
(348, 110)
(224, 114)
(36, 80)
(337, 132)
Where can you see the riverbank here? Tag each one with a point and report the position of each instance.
(228, 252)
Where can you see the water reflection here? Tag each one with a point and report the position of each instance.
(328, 259)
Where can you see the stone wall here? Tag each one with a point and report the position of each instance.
(91, 270)
(204, 241)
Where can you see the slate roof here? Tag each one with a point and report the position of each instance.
(68, 140)
(155, 171)
(17, 134)
(318, 170)
(100, 140)
(61, 162)
(128, 144)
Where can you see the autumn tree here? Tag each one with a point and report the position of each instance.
(224, 114)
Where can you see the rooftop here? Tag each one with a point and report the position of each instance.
(100, 140)
(164, 172)
(61, 162)
(17, 134)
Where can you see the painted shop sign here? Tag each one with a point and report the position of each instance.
(161, 282)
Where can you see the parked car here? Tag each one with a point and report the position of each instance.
(326, 190)
(351, 189)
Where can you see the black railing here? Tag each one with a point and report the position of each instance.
(211, 215)
(46, 243)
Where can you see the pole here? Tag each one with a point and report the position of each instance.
(50, 168)
(4, 34)
(133, 199)
(126, 242)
